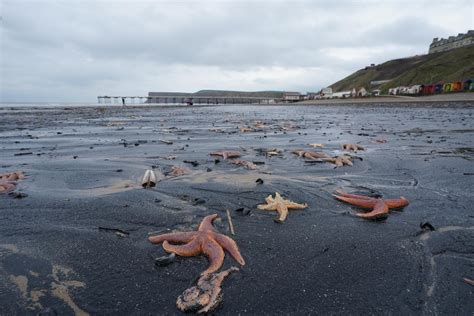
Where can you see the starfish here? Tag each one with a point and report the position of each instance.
(7, 181)
(280, 205)
(177, 171)
(205, 240)
(352, 147)
(379, 207)
(205, 295)
(316, 145)
(12, 176)
(310, 154)
(339, 161)
(226, 154)
(247, 164)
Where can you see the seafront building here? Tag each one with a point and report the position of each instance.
(452, 42)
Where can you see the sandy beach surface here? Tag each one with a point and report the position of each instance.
(84, 165)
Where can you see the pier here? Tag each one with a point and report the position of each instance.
(185, 100)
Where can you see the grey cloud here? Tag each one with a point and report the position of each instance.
(80, 48)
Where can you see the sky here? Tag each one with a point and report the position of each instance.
(73, 51)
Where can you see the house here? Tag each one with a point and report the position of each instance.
(312, 95)
(326, 93)
(361, 92)
(291, 96)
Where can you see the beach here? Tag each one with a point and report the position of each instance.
(73, 238)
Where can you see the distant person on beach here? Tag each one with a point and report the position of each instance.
(123, 101)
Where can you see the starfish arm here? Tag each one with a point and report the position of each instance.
(216, 153)
(368, 204)
(269, 199)
(397, 203)
(206, 224)
(230, 246)
(187, 250)
(354, 196)
(338, 162)
(291, 204)
(380, 210)
(282, 210)
(215, 253)
(182, 237)
(266, 207)
(225, 155)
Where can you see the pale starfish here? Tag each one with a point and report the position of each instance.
(206, 295)
(6, 187)
(352, 147)
(339, 161)
(316, 145)
(226, 154)
(310, 154)
(12, 176)
(205, 240)
(380, 207)
(247, 164)
(177, 171)
(280, 205)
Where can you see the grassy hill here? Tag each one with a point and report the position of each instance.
(457, 64)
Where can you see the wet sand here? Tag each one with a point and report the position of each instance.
(83, 168)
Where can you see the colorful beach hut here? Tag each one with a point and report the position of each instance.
(428, 88)
(438, 88)
(447, 87)
(467, 84)
(456, 86)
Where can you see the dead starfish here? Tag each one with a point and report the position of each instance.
(7, 181)
(339, 161)
(12, 176)
(226, 154)
(206, 295)
(247, 164)
(380, 207)
(177, 171)
(310, 154)
(352, 147)
(205, 241)
(280, 205)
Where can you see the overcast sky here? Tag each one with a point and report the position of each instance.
(72, 51)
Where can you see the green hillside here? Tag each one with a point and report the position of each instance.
(457, 64)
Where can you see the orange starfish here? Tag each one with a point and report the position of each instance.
(310, 154)
(205, 240)
(352, 147)
(380, 207)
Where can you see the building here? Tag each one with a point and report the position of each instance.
(452, 42)
(341, 94)
(326, 93)
(361, 92)
(291, 96)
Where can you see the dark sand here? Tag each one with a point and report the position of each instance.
(322, 260)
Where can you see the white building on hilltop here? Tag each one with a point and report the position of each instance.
(452, 42)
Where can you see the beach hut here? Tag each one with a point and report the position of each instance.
(392, 91)
(438, 88)
(447, 87)
(428, 89)
(456, 86)
(467, 84)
